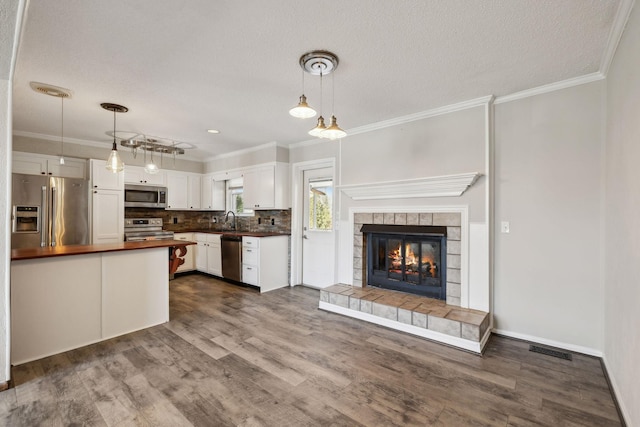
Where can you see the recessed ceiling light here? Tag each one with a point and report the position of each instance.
(213, 131)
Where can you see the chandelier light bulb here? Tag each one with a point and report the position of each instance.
(333, 131)
(319, 129)
(302, 110)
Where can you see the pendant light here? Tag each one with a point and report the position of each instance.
(58, 92)
(320, 63)
(302, 110)
(114, 162)
(150, 167)
(333, 131)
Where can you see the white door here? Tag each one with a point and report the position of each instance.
(318, 235)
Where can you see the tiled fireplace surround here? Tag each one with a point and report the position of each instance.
(445, 322)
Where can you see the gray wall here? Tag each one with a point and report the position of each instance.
(622, 281)
(548, 174)
(264, 154)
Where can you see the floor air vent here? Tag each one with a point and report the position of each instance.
(549, 352)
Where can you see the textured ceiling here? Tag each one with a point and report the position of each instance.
(183, 67)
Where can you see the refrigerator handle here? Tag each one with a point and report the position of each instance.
(54, 208)
(43, 226)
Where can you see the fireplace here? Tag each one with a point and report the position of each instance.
(407, 258)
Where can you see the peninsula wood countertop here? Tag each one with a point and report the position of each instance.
(55, 251)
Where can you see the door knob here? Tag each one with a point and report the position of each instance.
(304, 236)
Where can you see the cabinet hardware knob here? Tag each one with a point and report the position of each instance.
(43, 173)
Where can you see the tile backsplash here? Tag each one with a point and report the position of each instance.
(273, 221)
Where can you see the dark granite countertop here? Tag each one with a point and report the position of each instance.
(235, 233)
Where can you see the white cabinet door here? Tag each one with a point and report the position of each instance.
(214, 255)
(189, 258)
(72, 168)
(137, 175)
(213, 194)
(177, 190)
(206, 198)
(103, 179)
(37, 164)
(201, 252)
(214, 260)
(259, 187)
(194, 192)
(107, 216)
(29, 164)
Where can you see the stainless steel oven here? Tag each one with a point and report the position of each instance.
(145, 196)
(142, 229)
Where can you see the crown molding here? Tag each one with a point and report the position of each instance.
(244, 151)
(617, 28)
(477, 102)
(564, 84)
(435, 186)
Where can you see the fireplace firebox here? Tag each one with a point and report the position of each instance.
(407, 258)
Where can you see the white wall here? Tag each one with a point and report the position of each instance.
(622, 282)
(10, 24)
(548, 185)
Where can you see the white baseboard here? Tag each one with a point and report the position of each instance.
(472, 346)
(615, 389)
(571, 347)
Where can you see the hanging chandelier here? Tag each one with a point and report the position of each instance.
(319, 63)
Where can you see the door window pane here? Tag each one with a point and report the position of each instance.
(321, 205)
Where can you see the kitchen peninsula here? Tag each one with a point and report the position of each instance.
(66, 297)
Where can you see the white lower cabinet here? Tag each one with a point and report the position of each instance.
(189, 258)
(208, 253)
(107, 216)
(265, 262)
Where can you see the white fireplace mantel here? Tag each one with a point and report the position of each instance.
(435, 186)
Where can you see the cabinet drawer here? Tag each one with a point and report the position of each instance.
(250, 256)
(250, 274)
(250, 242)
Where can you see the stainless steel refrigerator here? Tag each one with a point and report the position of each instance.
(49, 211)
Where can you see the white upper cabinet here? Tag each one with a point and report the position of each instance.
(38, 164)
(213, 194)
(193, 201)
(137, 175)
(183, 190)
(103, 179)
(267, 187)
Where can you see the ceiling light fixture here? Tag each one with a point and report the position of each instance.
(333, 131)
(320, 63)
(302, 110)
(114, 162)
(214, 131)
(57, 92)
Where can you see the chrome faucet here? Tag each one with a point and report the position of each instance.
(235, 221)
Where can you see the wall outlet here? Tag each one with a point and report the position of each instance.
(273, 221)
(214, 219)
(504, 227)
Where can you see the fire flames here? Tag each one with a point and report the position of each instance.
(411, 261)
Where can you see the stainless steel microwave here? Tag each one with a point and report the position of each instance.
(144, 196)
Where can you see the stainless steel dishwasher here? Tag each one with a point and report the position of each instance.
(231, 257)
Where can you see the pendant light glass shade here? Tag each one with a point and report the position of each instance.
(319, 129)
(150, 167)
(333, 131)
(302, 110)
(114, 162)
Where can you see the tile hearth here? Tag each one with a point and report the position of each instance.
(424, 316)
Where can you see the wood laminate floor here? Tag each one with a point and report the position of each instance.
(232, 357)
